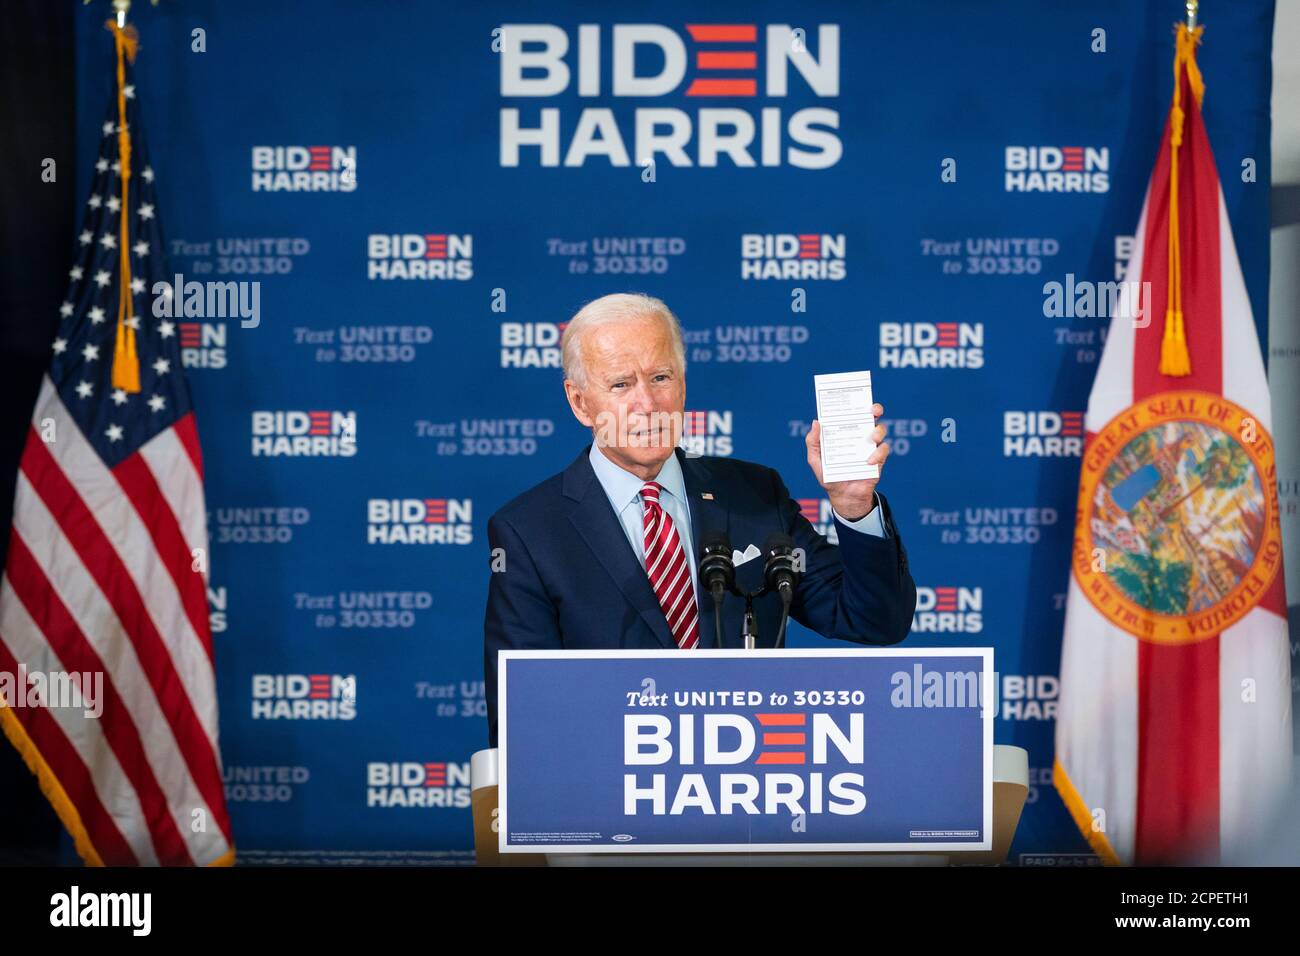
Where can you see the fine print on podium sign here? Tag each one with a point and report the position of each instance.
(864, 749)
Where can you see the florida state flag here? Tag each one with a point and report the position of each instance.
(1174, 737)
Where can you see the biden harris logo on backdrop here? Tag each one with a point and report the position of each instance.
(931, 345)
(418, 784)
(689, 95)
(203, 344)
(707, 431)
(312, 433)
(419, 521)
(531, 344)
(948, 609)
(1057, 169)
(433, 255)
(1042, 433)
(786, 256)
(304, 696)
(313, 169)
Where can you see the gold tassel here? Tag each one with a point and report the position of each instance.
(1175, 360)
(126, 363)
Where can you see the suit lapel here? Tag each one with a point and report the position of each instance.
(708, 513)
(595, 521)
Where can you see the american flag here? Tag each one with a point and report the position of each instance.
(106, 570)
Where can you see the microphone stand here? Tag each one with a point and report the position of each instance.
(749, 629)
(786, 597)
(718, 573)
(718, 592)
(780, 575)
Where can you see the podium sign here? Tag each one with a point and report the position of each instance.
(870, 749)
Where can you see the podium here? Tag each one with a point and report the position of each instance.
(1010, 788)
(871, 757)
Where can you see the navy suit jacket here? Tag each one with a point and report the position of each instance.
(571, 579)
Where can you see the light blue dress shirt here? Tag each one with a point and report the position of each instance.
(624, 492)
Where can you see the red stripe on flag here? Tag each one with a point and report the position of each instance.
(75, 654)
(1178, 685)
(103, 563)
(1198, 221)
(66, 764)
(147, 498)
(1178, 751)
(1274, 598)
(187, 431)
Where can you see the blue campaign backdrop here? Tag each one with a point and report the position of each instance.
(889, 189)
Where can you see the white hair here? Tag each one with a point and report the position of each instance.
(617, 307)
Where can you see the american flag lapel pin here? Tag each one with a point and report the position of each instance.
(707, 495)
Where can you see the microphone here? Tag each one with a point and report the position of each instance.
(780, 575)
(717, 574)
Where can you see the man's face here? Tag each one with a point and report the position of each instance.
(635, 393)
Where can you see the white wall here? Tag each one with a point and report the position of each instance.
(1282, 847)
(1284, 287)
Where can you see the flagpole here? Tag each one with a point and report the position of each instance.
(121, 8)
(1191, 13)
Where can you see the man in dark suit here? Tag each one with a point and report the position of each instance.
(604, 554)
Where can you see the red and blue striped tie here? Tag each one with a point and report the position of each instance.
(670, 576)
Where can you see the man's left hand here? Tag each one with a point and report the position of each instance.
(852, 500)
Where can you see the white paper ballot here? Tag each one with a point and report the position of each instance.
(844, 410)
